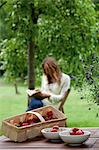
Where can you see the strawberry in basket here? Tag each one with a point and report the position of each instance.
(48, 115)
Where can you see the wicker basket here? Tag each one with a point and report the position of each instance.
(20, 134)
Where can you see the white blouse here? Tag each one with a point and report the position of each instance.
(56, 90)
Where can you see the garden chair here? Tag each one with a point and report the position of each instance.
(61, 107)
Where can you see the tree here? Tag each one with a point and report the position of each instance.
(21, 27)
(14, 56)
(68, 33)
(62, 28)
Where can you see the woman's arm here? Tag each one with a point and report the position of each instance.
(54, 97)
(65, 87)
(41, 95)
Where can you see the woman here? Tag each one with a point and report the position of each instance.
(53, 87)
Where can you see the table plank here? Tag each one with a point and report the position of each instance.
(40, 143)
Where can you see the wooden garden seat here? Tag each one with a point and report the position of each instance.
(61, 107)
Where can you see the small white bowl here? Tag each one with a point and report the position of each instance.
(52, 135)
(74, 140)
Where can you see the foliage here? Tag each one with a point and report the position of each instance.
(90, 68)
(14, 56)
(68, 33)
(14, 47)
(72, 35)
(62, 28)
(91, 79)
(3, 28)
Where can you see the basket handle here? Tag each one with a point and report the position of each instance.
(37, 114)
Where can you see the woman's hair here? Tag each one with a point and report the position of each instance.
(51, 70)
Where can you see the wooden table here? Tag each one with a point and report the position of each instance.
(41, 144)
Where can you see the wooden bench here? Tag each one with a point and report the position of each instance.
(61, 107)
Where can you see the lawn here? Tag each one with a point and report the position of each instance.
(76, 109)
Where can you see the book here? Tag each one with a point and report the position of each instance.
(33, 92)
(37, 94)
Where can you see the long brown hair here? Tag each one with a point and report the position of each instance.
(51, 70)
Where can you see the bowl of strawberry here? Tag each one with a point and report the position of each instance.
(75, 136)
(52, 133)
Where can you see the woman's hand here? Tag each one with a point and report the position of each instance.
(42, 95)
(46, 95)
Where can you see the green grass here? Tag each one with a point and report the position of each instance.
(78, 113)
(10, 103)
(76, 110)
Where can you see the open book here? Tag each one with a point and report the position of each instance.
(33, 92)
(37, 94)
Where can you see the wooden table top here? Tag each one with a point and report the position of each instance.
(41, 144)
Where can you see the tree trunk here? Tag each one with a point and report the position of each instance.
(31, 51)
(16, 88)
(31, 66)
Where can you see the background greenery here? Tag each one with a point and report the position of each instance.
(64, 29)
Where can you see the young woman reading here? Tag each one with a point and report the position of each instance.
(53, 87)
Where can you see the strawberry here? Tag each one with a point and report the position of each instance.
(79, 132)
(53, 130)
(56, 127)
(30, 122)
(35, 120)
(72, 133)
(50, 117)
(25, 124)
(75, 129)
(50, 113)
